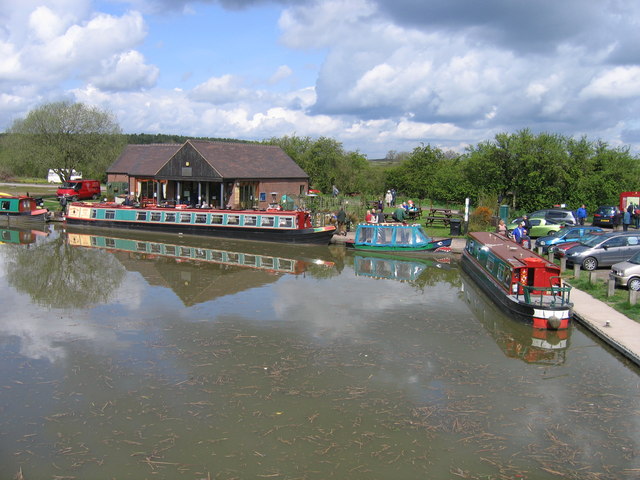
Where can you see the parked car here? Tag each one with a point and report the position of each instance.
(558, 215)
(567, 234)
(80, 189)
(627, 274)
(605, 216)
(604, 249)
(540, 227)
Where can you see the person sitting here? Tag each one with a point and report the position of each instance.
(368, 217)
(399, 214)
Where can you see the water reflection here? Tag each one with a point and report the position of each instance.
(24, 236)
(318, 373)
(397, 269)
(198, 271)
(516, 338)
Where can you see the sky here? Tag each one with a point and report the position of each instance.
(378, 76)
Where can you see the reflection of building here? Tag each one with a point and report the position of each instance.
(196, 273)
(516, 338)
(219, 173)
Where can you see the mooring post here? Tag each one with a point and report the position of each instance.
(576, 271)
(593, 277)
(633, 297)
(563, 264)
(611, 287)
(551, 256)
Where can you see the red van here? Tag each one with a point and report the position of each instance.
(80, 189)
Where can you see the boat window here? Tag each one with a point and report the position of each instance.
(94, 213)
(141, 216)
(233, 219)
(201, 218)
(185, 252)
(216, 255)
(5, 204)
(200, 253)
(286, 222)
(267, 262)
(170, 217)
(155, 248)
(250, 260)
(6, 235)
(156, 216)
(232, 257)
(110, 214)
(267, 221)
(141, 246)
(286, 265)
(170, 250)
(216, 219)
(490, 262)
(421, 236)
(404, 236)
(384, 235)
(185, 218)
(250, 220)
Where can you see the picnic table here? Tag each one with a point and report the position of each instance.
(441, 216)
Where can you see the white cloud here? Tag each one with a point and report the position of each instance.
(619, 82)
(126, 71)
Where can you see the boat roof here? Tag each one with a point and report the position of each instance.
(508, 250)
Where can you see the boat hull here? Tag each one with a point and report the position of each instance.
(313, 236)
(541, 316)
(39, 216)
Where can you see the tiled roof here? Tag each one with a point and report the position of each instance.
(144, 160)
(231, 160)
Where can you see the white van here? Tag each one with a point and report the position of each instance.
(53, 177)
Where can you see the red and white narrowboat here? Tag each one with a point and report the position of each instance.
(522, 283)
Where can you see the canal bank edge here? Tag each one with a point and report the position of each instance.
(612, 327)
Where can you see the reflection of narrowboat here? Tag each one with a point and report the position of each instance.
(519, 281)
(516, 339)
(23, 237)
(395, 269)
(272, 226)
(17, 209)
(182, 253)
(396, 238)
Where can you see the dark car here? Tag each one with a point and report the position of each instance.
(605, 216)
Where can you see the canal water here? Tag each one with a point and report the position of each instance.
(146, 356)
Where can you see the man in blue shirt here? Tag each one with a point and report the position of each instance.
(581, 214)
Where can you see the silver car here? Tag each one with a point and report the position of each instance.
(627, 274)
(603, 250)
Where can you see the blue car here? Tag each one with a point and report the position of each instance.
(567, 234)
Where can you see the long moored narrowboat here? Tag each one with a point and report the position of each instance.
(271, 226)
(522, 283)
(16, 209)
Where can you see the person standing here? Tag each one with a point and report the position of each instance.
(582, 214)
(626, 219)
(388, 198)
(341, 218)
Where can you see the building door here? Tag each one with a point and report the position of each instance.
(248, 196)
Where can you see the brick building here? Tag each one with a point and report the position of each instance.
(222, 174)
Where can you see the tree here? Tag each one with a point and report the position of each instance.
(64, 136)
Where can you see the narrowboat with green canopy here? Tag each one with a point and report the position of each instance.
(17, 209)
(396, 238)
(523, 284)
(284, 226)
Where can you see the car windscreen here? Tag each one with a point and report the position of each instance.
(70, 185)
(635, 259)
(592, 240)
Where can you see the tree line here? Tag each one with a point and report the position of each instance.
(523, 169)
